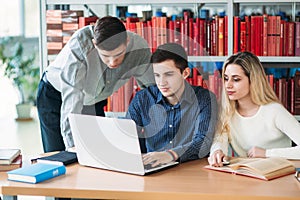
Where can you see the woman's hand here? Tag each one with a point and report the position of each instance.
(217, 158)
(256, 152)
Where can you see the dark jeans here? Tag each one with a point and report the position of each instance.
(48, 105)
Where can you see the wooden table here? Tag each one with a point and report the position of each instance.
(186, 181)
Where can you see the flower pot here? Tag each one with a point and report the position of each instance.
(23, 111)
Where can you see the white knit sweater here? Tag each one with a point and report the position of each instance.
(272, 128)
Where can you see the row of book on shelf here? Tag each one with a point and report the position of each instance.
(264, 35)
(199, 36)
(284, 81)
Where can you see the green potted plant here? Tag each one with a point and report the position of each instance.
(23, 72)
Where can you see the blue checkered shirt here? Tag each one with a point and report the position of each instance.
(186, 128)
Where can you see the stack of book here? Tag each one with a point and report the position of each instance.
(10, 159)
(61, 24)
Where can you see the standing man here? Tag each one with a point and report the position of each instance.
(176, 121)
(95, 62)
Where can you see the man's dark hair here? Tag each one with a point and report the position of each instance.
(109, 33)
(171, 51)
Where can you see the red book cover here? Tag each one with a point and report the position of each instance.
(171, 27)
(260, 35)
(248, 32)
(211, 83)
(214, 36)
(177, 34)
(195, 76)
(282, 33)
(200, 80)
(191, 37)
(196, 49)
(185, 33)
(202, 37)
(84, 21)
(139, 28)
(145, 30)
(226, 35)
(163, 30)
(236, 34)
(277, 35)
(297, 38)
(154, 33)
(208, 37)
(265, 35)
(221, 38)
(297, 93)
(271, 37)
(290, 44)
(271, 80)
(292, 97)
(149, 34)
(243, 36)
(128, 93)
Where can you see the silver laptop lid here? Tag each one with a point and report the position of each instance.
(107, 143)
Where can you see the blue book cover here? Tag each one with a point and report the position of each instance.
(36, 173)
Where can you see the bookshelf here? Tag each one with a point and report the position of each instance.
(232, 8)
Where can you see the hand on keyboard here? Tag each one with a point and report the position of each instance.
(157, 158)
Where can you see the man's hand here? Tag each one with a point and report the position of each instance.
(217, 158)
(256, 152)
(157, 158)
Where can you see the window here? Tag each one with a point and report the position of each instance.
(19, 18)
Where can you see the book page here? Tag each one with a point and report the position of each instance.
(262, 166)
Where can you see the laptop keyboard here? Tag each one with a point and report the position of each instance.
(149, 166)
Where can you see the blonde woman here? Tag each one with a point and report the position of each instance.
(252, 121)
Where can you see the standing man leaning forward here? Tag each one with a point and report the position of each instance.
(95, 62)
(175, 120)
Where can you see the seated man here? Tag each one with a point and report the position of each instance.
(175, 121)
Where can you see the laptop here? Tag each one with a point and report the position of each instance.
(109, 143)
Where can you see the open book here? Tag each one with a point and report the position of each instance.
(261, 168)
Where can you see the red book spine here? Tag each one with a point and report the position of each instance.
(292, 102)
(150, 36)
(213, 37)
(236, 34)
(191, 37)
(171, 35)
(277, 35)
(84, 21)
(290, 48)
(297, 38)
(221, 42)
(243, 36)
(281, 46)
(297, 93)
(185, 42)
(163, 30)
(226, 35)
(200, 80)
(177, 29)
(196, 49)
(248, 32)
(265, 35)
(208, 37)
(195, 76)
(154, 33)
(270, 36)
(202, 37)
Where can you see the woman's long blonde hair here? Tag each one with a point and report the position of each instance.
(261, 92)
